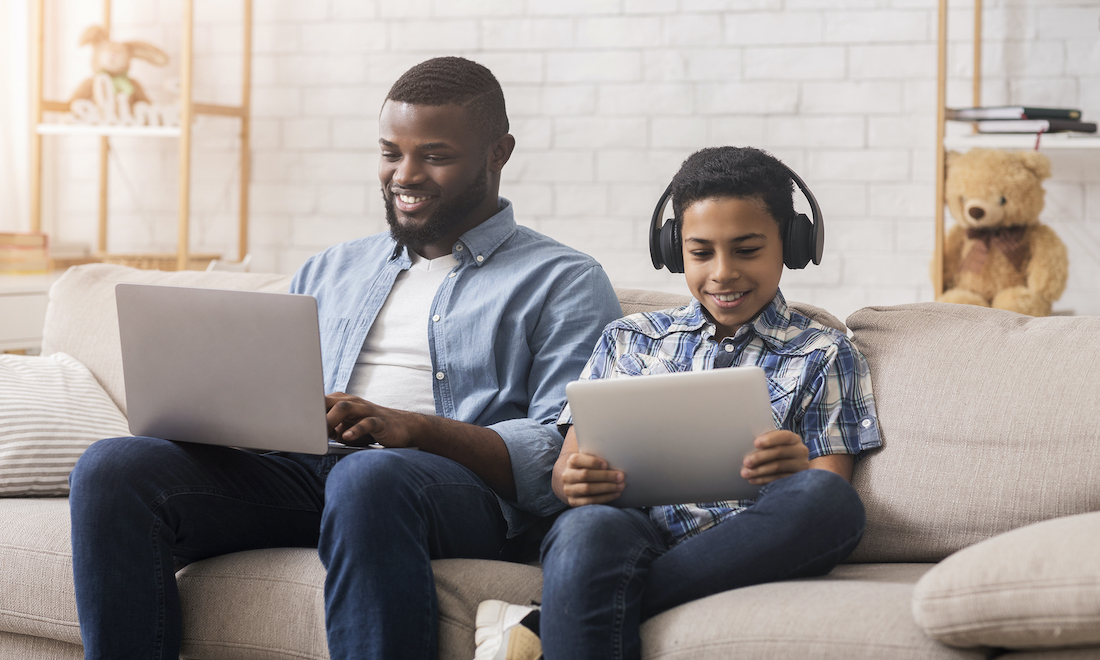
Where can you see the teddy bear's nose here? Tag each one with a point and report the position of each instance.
(976, 212)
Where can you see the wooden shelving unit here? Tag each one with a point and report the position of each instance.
(182, 133)
(944, 142)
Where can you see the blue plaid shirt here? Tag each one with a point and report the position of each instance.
(819, 383)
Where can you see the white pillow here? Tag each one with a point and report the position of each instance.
(51, 409)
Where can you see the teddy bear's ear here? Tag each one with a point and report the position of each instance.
(147, 52)
(1036, 162)
(93, 35)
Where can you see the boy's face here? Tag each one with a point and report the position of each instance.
(733, 258)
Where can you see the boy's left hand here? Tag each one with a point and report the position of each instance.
(778, 454)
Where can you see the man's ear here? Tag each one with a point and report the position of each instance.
(501, 151)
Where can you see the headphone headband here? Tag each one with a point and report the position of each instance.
(803, 241)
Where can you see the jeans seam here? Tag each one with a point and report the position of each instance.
(159, 580)
(164, 496)
(620, 602)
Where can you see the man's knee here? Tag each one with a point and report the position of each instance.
(108, 462)
(369, 473)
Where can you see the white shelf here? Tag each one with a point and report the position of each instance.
(1022, 141)
(108, 129)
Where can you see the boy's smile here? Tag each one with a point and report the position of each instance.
(733, 258)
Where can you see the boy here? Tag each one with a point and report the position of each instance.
(607, 569)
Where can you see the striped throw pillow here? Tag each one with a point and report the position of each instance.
(51, 409)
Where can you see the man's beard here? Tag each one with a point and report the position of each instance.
(440, 223)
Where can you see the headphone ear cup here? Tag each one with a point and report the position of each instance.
(672, 247)
(798, 242)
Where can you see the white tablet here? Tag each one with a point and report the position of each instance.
(679, 438)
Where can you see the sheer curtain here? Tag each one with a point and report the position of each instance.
(14, 114)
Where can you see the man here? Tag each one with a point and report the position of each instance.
(453, 336)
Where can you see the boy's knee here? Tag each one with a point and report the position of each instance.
(830, 495)
(588, 528)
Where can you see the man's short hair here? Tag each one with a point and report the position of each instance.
(740, 172)
(456, 81)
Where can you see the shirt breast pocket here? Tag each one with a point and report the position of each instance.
(641, 364)
(782, 392)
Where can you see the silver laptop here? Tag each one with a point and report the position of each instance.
(234, 368)
(679, 438)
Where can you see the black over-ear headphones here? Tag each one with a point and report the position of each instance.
(803, 240)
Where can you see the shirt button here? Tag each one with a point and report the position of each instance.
(645, 371)
(439, 375)
(452, 274)
(866, 423)
(436, 318)
(480, 258)
(729, 348)
(458, 247)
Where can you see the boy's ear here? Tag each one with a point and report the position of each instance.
(501, 151)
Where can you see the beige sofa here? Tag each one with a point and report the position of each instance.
(979, 528)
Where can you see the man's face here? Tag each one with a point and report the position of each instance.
(733, 258)
(434, 175)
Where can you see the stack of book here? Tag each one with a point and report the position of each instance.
(1020, 119)
(24, 253)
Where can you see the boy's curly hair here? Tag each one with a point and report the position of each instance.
(734, 172)
(456, 81)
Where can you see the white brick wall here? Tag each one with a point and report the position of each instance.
(606, 98)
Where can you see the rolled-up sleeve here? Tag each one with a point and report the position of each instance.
(569, 325)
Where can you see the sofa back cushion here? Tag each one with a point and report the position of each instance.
(81, 318)
(990, 421)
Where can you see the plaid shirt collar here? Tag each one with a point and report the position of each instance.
(770, 324)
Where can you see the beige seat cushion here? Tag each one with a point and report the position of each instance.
(1037, 586)
(857, 612)
(261, 604)
(36, 572)
(981, 412)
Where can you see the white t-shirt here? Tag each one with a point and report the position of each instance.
(394, 368)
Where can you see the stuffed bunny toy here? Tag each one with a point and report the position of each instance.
(113, 58)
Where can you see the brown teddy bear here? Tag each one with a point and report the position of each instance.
(998, 254)
(113, 58)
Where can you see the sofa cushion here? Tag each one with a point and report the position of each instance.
(51, 410)
(227, 601)
(36, 573)
(989, 422)
(81, 318)
(1037, 586)
(220, 595)
(857, 612)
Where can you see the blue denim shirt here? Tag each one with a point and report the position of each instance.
(508, 328)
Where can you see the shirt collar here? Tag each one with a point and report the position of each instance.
(481, 241)
(770, 324)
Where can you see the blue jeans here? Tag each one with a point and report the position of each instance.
(141, 507)
(606, 569)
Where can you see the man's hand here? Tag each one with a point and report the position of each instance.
(778, 454)
(585, 479)
(356, 422)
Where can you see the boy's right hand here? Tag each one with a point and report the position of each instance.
(584, 479)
